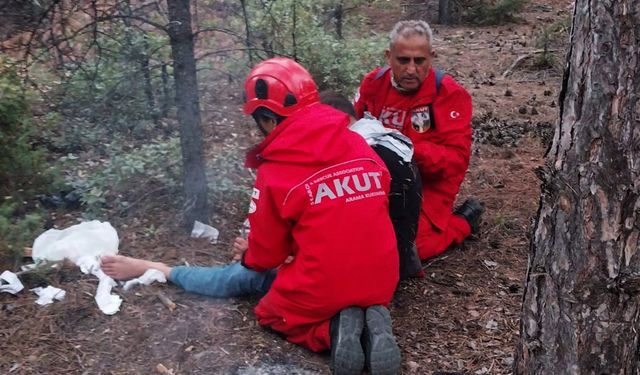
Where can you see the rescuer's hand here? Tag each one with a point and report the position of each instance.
(240, 245)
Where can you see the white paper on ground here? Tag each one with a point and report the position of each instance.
(28, 267)
(201, 230)
(107, 303)
(12, 285)
(147, 278)
(48, 294)
(88, 238)
(83, 244)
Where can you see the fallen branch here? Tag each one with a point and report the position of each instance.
(162, 369)
(42, 266)
(166, 301)
(521, 58)
(517, 62)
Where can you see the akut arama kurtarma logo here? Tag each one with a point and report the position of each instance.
(352, 183)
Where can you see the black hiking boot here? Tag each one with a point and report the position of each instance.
(380, 347)
(347, 356)
(471, 210)
(410, 264)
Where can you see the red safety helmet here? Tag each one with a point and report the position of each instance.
(280, 85)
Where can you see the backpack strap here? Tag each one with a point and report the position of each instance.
(439, 76)
(381, 72)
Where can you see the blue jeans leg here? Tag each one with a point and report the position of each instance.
(231, 280)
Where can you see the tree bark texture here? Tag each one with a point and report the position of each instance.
(581, 305)
(188, 105)
(444, 12)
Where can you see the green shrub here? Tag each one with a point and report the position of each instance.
(129, 175)
(337, 62)
(339, 65)
(108, 93)
(24, 170)
(550, 39)
(227, 178)
(16, 231)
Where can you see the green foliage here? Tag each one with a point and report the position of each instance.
(549, 38)
(306, 31)
(128, 175)
(108, 92)
(23, 167)
(16, 231)
(227, 178)
(339, 65)
(494, 12)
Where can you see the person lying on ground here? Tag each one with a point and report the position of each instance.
(405, 196)
(434, 111)
(320, 197)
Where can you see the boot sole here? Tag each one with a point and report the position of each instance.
(383, 353)
(346, 353)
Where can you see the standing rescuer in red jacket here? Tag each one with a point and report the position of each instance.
(319, 213)
(435, 113)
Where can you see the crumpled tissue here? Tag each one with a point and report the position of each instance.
(201, 230)
(83, 244)
(12, 285)
(147, 278)
(48, 294)
(107, 303)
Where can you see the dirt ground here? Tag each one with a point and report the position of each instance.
(463, 317)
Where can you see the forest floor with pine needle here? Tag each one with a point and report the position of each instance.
(462, 317)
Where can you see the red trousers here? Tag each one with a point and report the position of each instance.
(432, 241)
(299, 329)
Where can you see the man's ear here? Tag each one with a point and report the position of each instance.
(387, 55)
(434, 53)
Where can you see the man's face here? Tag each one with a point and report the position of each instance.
(410, 61)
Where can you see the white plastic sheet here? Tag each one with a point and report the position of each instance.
(201, 230)
(9, 283)
(84, 244)
(88, 238)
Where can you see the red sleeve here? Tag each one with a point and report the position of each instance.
(270, 239)
(447, 150)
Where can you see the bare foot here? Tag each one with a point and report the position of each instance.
(124, 268)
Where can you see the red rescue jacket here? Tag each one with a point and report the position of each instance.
(439, 125)
(321, 196)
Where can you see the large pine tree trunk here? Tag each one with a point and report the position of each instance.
(184, 73)
(581, 305)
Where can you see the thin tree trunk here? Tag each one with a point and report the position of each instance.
(293, 32)
(148, 85)
(141, 56)
(247, 27)
(186, 84)
(444, 12)
(339, 16)
(580, 311)
(166, 99)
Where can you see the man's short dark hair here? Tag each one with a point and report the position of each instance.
(265, 113)
(338, 102)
